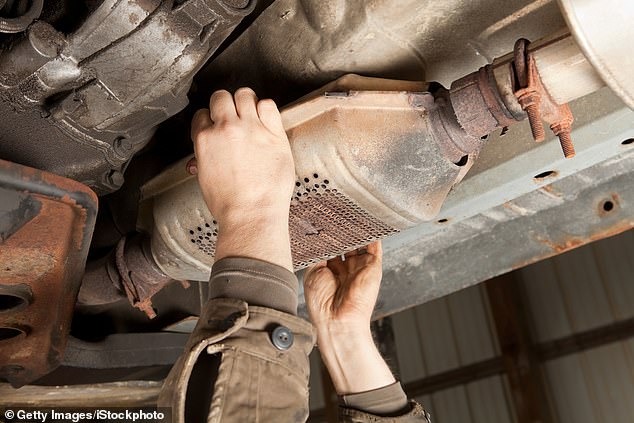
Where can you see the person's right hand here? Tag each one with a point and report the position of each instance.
(340, 297)
(344, 291)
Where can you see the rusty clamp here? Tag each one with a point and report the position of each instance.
(537, 102)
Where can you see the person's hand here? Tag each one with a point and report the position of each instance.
(246, 173)
(243, 156)
(344, 291)
(340, 297)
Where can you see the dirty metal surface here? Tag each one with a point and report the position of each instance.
(98, 93)
(602, 30)
(296, 46)
(592, 204)
(42, 258)
(515, 189)
(478, 105)
(140, 277)
(127, 271)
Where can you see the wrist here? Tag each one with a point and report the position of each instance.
(353, 361)
(261, 235)
(239, 219)
(342, 334)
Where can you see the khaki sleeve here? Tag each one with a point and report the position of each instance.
(388, 400)
(257, 282)
(414, 413)
(234, 369)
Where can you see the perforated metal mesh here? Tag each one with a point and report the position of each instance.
(205, 236)
(323, 223)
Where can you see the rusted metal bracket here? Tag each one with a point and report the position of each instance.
(140, 276)
(538, 104)
(46, 224)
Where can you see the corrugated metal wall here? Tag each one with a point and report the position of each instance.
(445, 334)
(586, 288)
(590, 287)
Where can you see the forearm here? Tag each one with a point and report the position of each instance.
(353, 361)
(258, 234)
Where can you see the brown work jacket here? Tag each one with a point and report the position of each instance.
(249, 363)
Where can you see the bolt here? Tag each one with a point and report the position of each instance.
(562, 130)
(529, 100)
(122, 146)
(114, 178)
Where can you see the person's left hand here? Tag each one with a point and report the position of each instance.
(244, 160)
(246, 173)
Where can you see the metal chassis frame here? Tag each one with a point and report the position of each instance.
(501, 217)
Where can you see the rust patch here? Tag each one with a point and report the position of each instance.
(608, 206)
(134, 18)
(478, 105)
(560, 247)
(550, 190)
(557, 247)
(25, 262)
(47, 255)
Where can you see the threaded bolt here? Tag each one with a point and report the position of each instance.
(534, 119)
(566, 144)
(529, 101)
(562, 130)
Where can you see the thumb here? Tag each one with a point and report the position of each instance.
(319, 282)
(312, 271)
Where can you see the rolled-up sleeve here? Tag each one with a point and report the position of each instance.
(256, 282)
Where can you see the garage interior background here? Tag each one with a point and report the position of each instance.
(559, 332)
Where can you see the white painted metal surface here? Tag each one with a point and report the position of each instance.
(584, 289)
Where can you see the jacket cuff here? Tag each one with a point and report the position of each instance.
(386, 401)
(413, 413)
(257, 282)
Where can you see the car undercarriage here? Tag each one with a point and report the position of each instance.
(474, 137)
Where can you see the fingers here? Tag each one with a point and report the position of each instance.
(246, 106)
(376, 249)
(246, 102)
(270, 117)
(222, 107)
(192, 166)
(201, 121)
